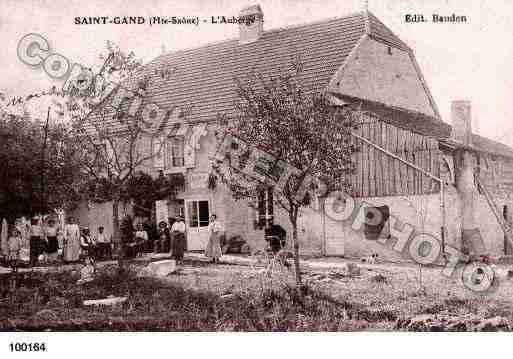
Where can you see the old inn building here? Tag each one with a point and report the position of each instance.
(361, 63)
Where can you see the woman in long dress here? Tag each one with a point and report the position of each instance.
(71, 241)
(4, 239)
(213, 251)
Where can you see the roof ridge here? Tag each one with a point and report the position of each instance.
(373, 32)
(321, 21)
(367, 21)
(272, 30)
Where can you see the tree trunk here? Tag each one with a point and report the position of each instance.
(295, 242)
(115, 222)
(116, 237)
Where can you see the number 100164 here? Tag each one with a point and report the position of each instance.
(27, 347)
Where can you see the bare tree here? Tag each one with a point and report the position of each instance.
(112, 144)
(110, 158)
(303, 140)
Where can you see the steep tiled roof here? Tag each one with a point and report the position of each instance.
(204, 77)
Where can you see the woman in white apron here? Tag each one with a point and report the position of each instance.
(71, 251)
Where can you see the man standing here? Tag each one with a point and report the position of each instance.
(178, 239)
(104, 244)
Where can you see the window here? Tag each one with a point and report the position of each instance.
(265, 208)
(157, 152)
(103, 156)
(376, 222)
(198, 213)
(176, 147)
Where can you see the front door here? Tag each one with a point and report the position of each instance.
(197, 218)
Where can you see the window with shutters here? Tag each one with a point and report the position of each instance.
(177, 151)
(158, 153)
(104, 157)
(173, 154)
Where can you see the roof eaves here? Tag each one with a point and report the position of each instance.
(378, 107)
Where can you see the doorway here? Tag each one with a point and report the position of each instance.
(197, 216)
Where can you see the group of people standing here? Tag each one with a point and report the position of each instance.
(54, 241)
(173, 240)
(76, 242)
(70, 242)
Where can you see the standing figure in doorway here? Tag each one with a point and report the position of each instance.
(215, 229)
(178, 239)
(71, 251)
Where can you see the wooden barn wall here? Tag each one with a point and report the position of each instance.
(496, 173)
(378, 174)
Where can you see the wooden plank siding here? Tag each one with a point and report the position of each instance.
(496, 172)
(378, 174)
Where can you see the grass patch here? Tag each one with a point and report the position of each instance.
(53, 301)
(206, 297)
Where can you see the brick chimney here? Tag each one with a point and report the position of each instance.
(253, 27)
(461, 118)
(471, 238)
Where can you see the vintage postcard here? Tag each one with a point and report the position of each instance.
(255, 166)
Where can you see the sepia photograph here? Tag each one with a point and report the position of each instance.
(254, 166)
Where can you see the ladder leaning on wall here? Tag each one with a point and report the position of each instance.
(505, 226)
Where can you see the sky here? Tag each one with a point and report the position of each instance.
(472, 60)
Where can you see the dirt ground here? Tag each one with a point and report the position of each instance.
(401, 289)
(204, 296)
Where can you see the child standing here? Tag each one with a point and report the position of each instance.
(14, 247)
